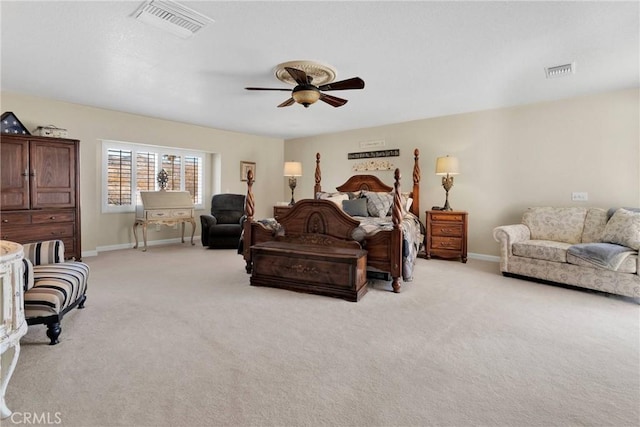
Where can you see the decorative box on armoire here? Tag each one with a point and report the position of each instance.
(40, 190)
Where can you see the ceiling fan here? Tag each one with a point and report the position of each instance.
(306, 93)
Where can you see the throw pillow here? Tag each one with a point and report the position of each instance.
(338, 199)
(355, 207)
(378, 204)
(623, 229)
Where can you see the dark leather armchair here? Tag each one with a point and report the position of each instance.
(223, 227)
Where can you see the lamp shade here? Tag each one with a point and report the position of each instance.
(292, 169)
(447, 166)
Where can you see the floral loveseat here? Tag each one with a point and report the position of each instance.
(587, 247)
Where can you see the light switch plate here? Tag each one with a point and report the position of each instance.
(579, 196)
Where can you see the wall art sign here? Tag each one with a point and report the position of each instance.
(373, 154)
(372, 144)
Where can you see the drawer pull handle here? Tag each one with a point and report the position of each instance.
(52, 217)
(5, 220)
(446, 230)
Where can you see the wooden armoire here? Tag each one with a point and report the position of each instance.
(40, 191)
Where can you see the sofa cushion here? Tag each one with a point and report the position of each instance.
(56, 287)
(594, 224)
(556, 224)
(623, 229)
(542, 249)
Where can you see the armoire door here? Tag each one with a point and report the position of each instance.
(14, 174)
(53, 174)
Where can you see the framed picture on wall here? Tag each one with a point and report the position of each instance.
(245, 167)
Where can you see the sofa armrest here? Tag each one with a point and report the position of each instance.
(507, 235)
(43, 253)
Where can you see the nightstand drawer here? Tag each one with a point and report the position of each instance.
(454, 230)
(452, 243)
(450, 217)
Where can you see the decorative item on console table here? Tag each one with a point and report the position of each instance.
(446, 234)
(40, 187)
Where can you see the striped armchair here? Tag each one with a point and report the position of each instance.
(52, 286)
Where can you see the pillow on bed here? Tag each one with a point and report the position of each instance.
(623, 229)
(355, 207)
(378, 204)
(405, 203)
(338, 199)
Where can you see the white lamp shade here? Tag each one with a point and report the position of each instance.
(447, 166)
(292, 169)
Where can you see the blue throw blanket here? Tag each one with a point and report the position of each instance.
(603, 255)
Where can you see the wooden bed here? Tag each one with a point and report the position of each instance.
(384, 248)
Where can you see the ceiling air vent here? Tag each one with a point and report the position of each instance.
(171, 17)
(560, 70)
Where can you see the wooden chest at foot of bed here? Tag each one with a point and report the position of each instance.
(324, 270)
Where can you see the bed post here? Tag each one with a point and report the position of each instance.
(396, 235)
(415, 206)
(249, 210)
(317, 188)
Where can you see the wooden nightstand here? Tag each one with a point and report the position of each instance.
(446, 234)
(280, 210)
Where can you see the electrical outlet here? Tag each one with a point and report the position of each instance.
(579, 196)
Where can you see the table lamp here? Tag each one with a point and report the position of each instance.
(292, 170)
(447, 167)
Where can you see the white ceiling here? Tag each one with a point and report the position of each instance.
(418, 59)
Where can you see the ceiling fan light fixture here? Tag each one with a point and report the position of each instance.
(306, 96)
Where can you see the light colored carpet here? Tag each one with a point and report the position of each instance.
(177, 337)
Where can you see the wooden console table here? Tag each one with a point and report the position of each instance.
(165, 208)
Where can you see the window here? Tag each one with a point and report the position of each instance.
(123, 181)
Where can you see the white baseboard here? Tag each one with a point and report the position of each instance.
(483, 257)
(470, 255)
(130, 246)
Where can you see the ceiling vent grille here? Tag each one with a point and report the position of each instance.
(560, 70)
(172, 17)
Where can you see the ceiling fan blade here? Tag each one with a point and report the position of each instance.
(332, 100)
(266, 88)
(288, 102)
(298, 75)
(352, 83)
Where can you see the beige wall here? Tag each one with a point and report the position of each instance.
(91, 125)
(510, 158)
